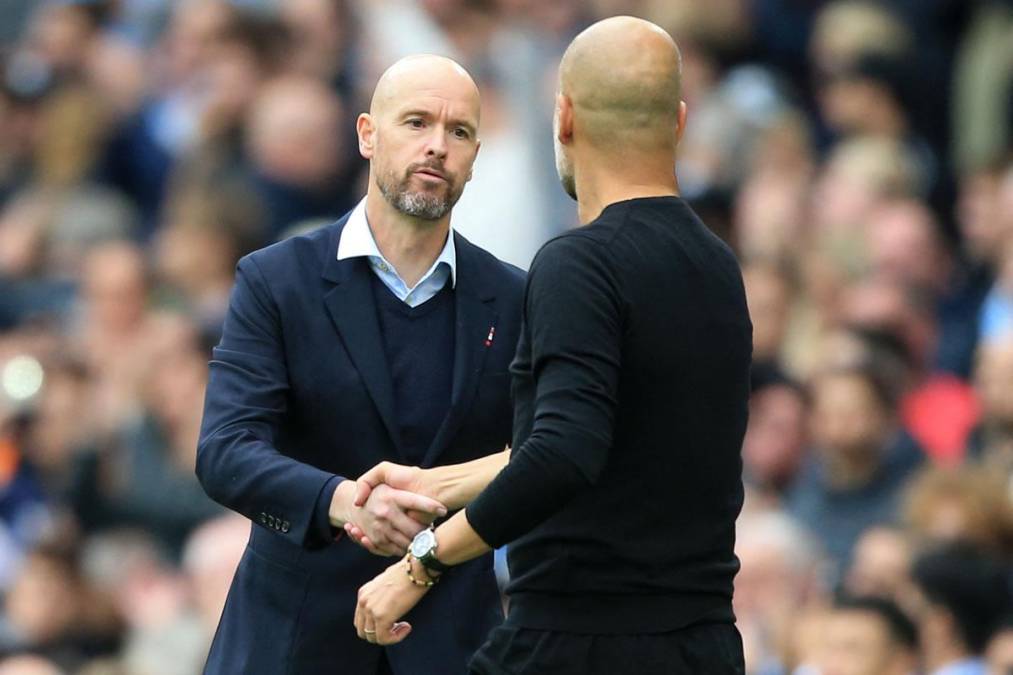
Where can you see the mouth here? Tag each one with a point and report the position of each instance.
(431, 174)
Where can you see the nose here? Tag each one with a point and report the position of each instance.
(436, 143)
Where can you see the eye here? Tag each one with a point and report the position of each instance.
(462, 133)
(415, 122)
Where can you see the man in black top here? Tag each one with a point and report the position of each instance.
(631, 384)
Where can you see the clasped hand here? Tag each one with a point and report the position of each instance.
(383, 601)
(393, 507)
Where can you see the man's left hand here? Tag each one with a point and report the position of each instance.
(382, 603)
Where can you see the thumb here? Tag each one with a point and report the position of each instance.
(366, 482)
(400, 631)
(362, 491)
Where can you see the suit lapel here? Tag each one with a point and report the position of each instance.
(352, 309)
(476, 314)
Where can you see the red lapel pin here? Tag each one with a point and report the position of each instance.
(490, 336)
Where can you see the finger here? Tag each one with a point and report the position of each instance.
(400, 631)
(362, 491)
(354, 532)
(399, 542)
(396, 633)
(403, 524)
(409, 501)
(419, 517)
(369, 480)
(369, 628)
(369, 546)
(386, 549)
(359, 618)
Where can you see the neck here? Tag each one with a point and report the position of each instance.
(941, 654)
(887, 120)
(410, 244)
(853, 469)
(603, 178)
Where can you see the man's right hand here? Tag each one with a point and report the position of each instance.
(387, 517)
(384, 476)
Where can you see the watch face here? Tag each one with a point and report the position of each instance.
(423, 543)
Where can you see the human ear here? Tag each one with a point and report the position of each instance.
(366, 130)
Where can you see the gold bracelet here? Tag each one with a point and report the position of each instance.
(418, 582)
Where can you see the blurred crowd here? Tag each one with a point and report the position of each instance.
(857, 155)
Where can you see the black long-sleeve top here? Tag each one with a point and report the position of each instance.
(631, 386)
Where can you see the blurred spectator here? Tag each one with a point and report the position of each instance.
(140, 156)
(28, 665)
(196, 250)
(322, 36)
(781, 575)
(967, 504)
(775, 442)
(997, 313)
(999, 654)
(298, 152)
(880, 566)
(962, 595)
(150, 598)
(868, 636)
(209, 561)
(47, 610)
(861, 461)
(142, 475)
(769, 296)
(982, 98)
(992, 440)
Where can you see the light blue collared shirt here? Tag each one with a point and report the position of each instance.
(357, 242)
(965, 667)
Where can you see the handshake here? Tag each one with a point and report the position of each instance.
(387, 506)
(383, 511)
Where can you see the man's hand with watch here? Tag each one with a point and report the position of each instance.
(392, 594)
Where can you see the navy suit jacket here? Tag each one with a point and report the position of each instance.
(299, 392)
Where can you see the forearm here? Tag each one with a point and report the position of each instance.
(540, 481)
(456, 485)
(457, 541)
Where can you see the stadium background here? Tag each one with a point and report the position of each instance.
(856, 155)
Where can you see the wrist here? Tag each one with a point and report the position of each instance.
(421, 572)
(342, 503)
(434, 484)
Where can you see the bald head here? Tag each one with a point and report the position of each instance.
(423, 73)
(421, 136)
(623, 77)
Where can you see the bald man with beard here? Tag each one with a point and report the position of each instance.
(631, 385)
(385, 336)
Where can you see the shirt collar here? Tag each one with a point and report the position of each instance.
(357, 242)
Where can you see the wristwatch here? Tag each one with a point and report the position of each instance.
(423, 549)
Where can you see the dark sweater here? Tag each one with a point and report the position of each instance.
(631, 386)
(419, 345)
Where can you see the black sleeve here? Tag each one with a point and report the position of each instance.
(573, 317)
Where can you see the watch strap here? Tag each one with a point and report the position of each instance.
(430, 562)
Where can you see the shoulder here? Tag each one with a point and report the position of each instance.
(305, 252)
(585, 247)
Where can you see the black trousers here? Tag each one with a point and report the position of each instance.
(707, 649)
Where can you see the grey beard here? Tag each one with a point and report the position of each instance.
(415, 204)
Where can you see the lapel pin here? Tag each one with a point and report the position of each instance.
(490, 336)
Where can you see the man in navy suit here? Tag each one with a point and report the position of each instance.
(385, 336)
